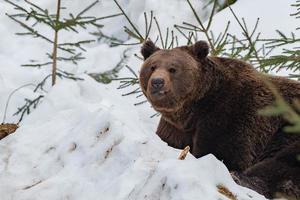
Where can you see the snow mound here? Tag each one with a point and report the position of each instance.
(77, 147)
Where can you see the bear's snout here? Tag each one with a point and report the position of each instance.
(157, 83)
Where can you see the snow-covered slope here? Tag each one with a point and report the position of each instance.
(85, 141)
(82, 144)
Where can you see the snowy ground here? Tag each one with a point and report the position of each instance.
(86, 141)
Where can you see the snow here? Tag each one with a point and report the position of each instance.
(86, 141)
(84, 148)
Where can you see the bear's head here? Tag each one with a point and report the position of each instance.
(171, 78)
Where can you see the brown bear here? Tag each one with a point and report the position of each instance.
(211, 104)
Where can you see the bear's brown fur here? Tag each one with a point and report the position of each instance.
(211, 104)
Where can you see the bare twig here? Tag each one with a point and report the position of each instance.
(183, 153)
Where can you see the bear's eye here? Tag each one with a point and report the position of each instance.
(153, 68)
(172, 70)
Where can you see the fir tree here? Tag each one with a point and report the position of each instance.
(33, 17)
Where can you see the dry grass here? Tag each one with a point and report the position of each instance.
(7, 129)
(225, 191)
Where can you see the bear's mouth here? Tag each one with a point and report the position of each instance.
(158, 95)
(162, 101)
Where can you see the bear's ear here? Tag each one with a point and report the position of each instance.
(200, 49)
(148, 49)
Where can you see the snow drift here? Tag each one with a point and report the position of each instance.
(77, 147)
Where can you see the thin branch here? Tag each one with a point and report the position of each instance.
(130, 22)
(248, 37)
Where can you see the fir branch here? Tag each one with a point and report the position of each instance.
(35, 33)
(297, 13)
(39, 65)
(87, 8)
(282, 40)
(73, 22)
(288, 59)
(204, 29)
(148, 25)
(28, 106)
(72, 59)
(111, 40)
(110, 75)
(136, 31)
(40, 17)
(221, 41)
(77, 44)
(160, 33)
(63, 74)
(31, 30)
(41, 84)
(291, 61)
(249, 36)
(130, 81)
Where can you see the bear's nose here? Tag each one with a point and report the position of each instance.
(157, 83)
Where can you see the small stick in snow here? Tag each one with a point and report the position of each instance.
(30, 186)
(226, 192)
(73, 147)
(183, 153)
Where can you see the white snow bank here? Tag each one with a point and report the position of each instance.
(77, 147)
